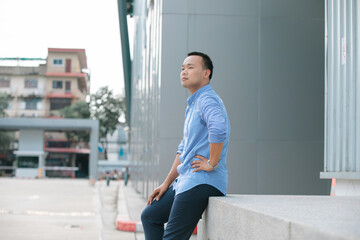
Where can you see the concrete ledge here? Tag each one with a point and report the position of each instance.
(123, 223)
(253, 217)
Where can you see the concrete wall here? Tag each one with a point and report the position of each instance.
(254, 217)
(75, 64)
(31, 140)
(17, 90)
(268, 68)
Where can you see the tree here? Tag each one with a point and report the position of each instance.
(106, 108)
(4, 103)
(79, 109)
(6, 138)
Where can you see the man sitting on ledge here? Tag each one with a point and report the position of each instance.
(199, 169)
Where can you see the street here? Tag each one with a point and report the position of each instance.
(58, 209)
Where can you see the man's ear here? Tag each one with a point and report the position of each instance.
(207, 73)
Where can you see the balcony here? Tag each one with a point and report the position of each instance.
(12, 91)
(36, 92)
(60, 94)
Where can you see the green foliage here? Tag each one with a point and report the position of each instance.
(6, 138)
(4, 103)
(106, 108)
(79, 109)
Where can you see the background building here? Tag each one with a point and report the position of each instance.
(40, 92)
(269, 70)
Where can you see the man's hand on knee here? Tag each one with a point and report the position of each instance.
(157, 193)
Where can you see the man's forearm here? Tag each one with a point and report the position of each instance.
(215, 153)
(173, 174)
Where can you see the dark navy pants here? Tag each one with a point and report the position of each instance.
(181, 212)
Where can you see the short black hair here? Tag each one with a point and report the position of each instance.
(206, 60)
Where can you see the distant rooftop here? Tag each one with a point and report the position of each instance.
(22, 70)
(80, 51)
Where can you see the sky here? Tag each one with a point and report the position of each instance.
(29, 27)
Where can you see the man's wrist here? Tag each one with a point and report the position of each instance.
(210, 165)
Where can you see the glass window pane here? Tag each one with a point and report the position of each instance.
(57, 61)
(4, 82)
(31, 103)
(28, 162)
(31, 83)
(57, 84)
(59, 103)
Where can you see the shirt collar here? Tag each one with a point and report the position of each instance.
(196, 94)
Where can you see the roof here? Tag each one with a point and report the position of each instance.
(60, 95)
(50, 124)
(20, 70)
(65, 74)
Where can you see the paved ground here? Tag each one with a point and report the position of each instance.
(59, 209)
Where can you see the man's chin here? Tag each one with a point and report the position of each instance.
(183, 84)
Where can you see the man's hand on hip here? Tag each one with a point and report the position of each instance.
(201, 165)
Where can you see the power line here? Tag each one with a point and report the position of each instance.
(23, 59)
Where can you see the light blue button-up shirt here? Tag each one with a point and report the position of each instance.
(206, 122)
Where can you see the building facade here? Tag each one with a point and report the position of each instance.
(40, 92)
(269, 70)
(342, 89)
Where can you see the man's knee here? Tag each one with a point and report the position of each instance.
(145, 215)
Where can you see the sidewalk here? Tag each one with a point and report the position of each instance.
(109, 210)
(130, 205)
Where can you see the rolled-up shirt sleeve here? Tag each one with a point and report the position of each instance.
(213, 114)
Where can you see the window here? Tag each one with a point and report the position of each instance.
(58, 61)
(4, 82)
(28, 162)
(59, 103)
(67, 86)
(31, 83)
(57, 84)
(58, 144)
(31, 103)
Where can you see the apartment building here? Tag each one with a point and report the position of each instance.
(43, 90)
(40, 92)
(26, 87)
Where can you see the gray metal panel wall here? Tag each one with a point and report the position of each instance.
(144, 151)
(342, 98)
(269, 70)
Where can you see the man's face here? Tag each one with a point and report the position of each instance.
(193, 76)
